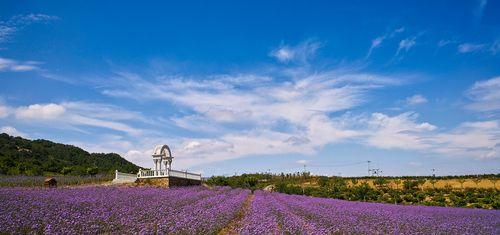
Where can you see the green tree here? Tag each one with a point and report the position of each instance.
(66, 170)
(380, 182)
(92, 171)
(323, 181)
(410, 184)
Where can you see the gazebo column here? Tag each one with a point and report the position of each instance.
(156, 166)
(161, 162)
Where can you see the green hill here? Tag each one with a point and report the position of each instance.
(43, 157)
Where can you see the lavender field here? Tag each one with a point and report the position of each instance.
(198, 210)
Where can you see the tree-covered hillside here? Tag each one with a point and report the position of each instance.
(39, 157)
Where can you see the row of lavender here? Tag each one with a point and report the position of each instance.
(275, 213)
(118, 210)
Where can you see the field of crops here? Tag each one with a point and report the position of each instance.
(198, 210)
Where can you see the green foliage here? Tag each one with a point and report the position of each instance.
(336, 187)
(410, 184)
(323, 181)
(92, 170)
(42, 157)
(380, 182)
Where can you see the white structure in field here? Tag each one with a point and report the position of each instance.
(162, 155)
(162, 158)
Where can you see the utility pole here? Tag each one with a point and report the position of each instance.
(369, 167)
(433, 174)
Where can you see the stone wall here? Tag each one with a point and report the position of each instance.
(159, 182)
(174, 182)
(167, 182)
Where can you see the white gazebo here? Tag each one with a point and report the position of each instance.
(162, 158)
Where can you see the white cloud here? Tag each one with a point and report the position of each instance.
(469, 139)
(492, 47)
(141, 158)
(70, 114)
(416, 99)
(444, 42)
(470, 47)
(4, 111)
(257, 118)
(40, 111)
(406, 44)
(224, 115)
(12, 131)
(302, 162)
(17, 66)
(295, 116)
(400, 131)
(472, 139)
(31, 18)
(377, 42)
(300, 53)
(17, 23)
(485, 95)
(6, 32)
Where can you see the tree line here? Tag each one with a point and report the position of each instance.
(19, 156)
(407, 190)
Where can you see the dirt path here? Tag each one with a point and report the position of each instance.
(237, 222)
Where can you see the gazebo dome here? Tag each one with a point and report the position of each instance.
(162, 151)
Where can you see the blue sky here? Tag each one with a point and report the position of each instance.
(256, 86)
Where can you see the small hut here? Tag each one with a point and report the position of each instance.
(50, 182)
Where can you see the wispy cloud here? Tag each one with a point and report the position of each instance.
(17, 23)
(416, 99)
(299, 115)
(478, 11)
(406, 44)
(445, 42)
(470, 47)
(485, 95)
(299, 53)
(469, 139)
(17, 66)
(6, 32)
(377, 42)
(292, 116)
(74, 114)
(493, 47)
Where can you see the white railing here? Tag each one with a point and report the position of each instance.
(152, 173)
(185, 174)
(166, 173)
(125, 176)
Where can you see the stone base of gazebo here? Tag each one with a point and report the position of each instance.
(167, 181)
